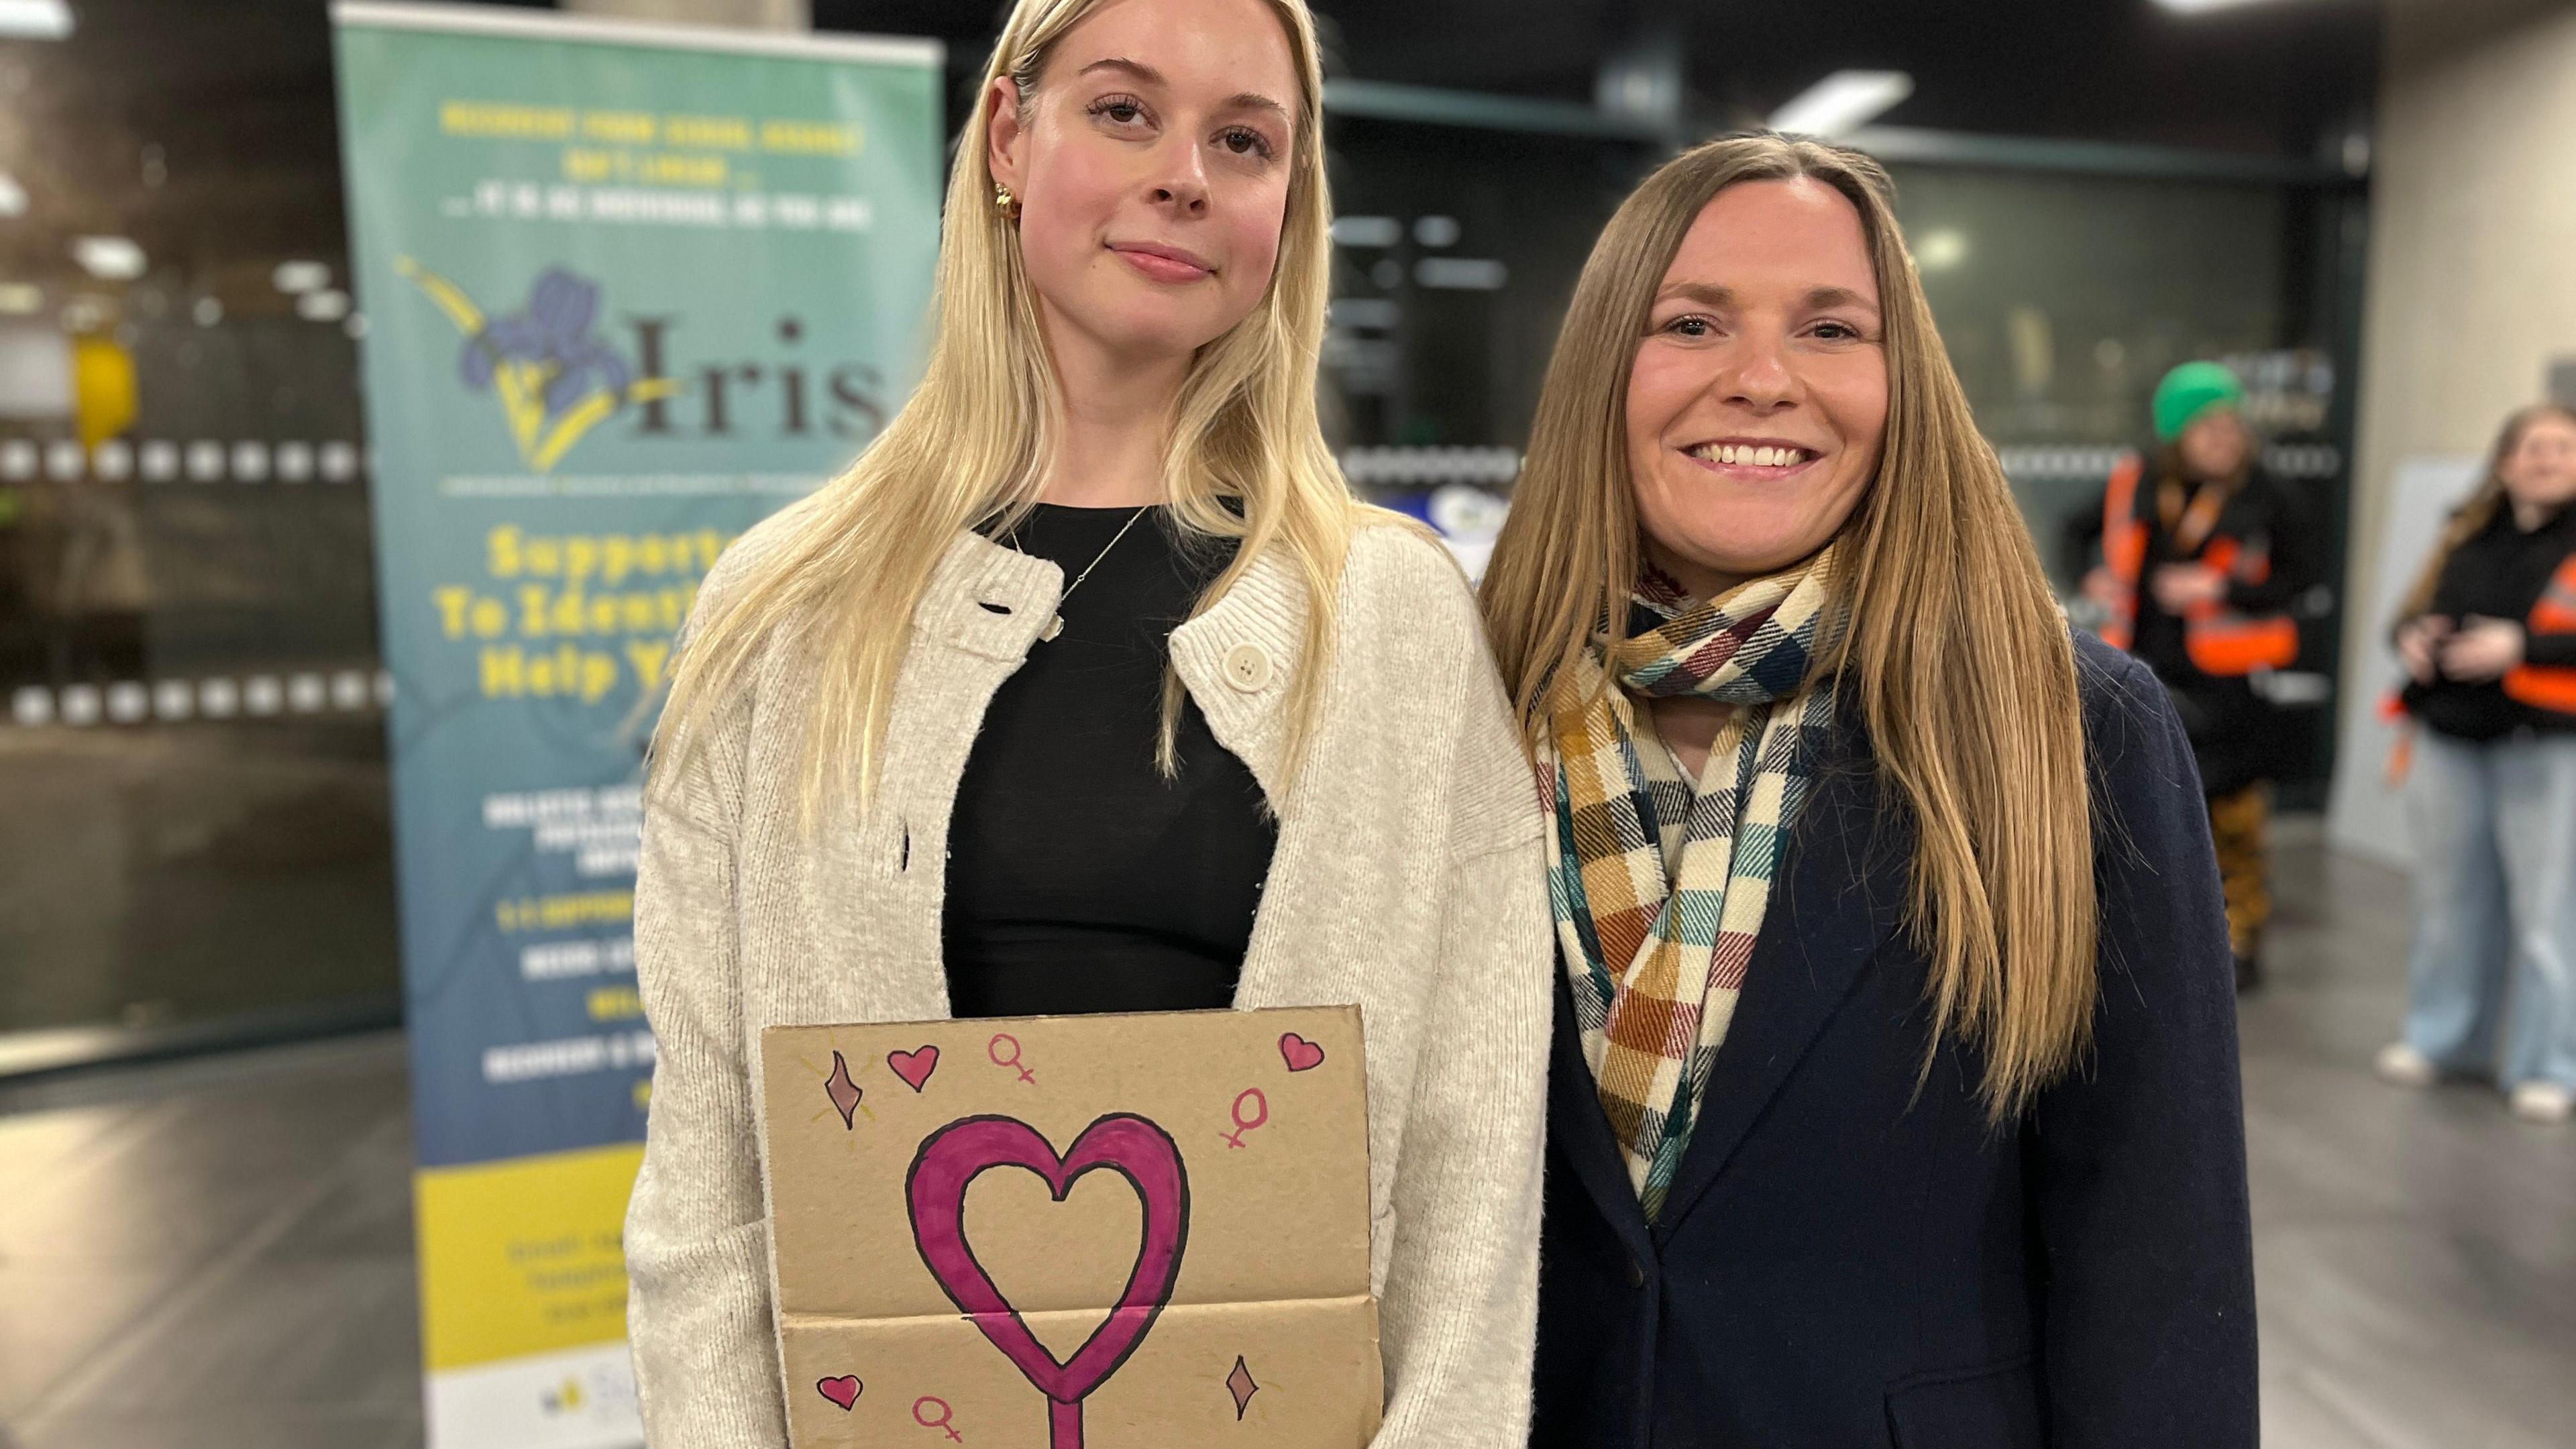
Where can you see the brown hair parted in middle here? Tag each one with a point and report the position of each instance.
(1956, 654)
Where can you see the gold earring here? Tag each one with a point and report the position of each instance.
(1003, 198)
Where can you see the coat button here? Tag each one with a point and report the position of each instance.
(1636, 1274)
(1247, 668)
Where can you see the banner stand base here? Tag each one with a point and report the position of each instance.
(580, 1398)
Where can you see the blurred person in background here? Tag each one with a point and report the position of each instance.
(2488, 640)
(1895, 1085)
(1088, 688)
(2202, 556)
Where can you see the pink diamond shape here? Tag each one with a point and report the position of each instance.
(1240, 1384)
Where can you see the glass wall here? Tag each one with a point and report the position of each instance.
(191, 741)
(2062, 300)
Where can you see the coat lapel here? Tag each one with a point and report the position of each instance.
(1845, 888)
(1581, 1130)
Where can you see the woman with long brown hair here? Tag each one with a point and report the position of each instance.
(1895, 1088)
(2488, 638)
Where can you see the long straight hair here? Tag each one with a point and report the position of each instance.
(1956, 651)
(1245, 458)
(2473, 516)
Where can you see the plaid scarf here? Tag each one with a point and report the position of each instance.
(1657, 953)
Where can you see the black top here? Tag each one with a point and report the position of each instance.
(2500, 573)
(1849, 1256)
(1079, 878)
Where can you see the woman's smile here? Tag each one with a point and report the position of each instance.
(1762, 460)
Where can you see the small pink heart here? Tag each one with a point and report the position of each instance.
(1300, 1054)
(843, 1391)
(914, 1067)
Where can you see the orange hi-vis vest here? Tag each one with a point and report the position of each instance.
(2124, 549)
(2219, 640)
(2543, 686)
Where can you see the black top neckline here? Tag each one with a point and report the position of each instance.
(2557, 516)
(1080, 877)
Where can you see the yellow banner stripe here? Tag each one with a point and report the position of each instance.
(523, 1256)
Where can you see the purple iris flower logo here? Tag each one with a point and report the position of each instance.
(552, 334)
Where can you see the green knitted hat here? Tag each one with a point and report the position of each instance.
(2190, 390)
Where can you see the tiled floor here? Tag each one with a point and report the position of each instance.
(2416, 1251)
(211, 1255)
(216, 1255)
(141, 867)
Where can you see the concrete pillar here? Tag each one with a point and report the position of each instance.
(741, 14)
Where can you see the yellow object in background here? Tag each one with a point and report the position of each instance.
(521, 1256)
(103, 395)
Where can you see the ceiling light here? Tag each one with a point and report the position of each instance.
(1363, 312)
(21, 299)
(1367, 231)
(1841, 102)
(13, 197)
(328, 305)
(1461, 274)
(2201, 7)
(35, 19)
(108, 258)
(1941, 250)
(296, 278)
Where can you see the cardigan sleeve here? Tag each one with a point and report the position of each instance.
(1460, 1307)
(2136, 1162)
(698, 1312)
(1461, 1300)
(698, 1309)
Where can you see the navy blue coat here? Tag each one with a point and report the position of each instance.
(1845, 1261)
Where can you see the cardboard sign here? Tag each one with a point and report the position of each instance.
(1126, 1232)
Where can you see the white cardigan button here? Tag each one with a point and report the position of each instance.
(1247, 668)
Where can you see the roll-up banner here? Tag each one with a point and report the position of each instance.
(626, 289)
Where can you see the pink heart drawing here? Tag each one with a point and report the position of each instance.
(843, 1391)
(914, 1067)
(954, 1156)
(1300, 1054)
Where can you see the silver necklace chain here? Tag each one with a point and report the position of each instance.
(1055, 625)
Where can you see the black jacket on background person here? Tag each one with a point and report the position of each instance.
(2237, 736)
(2500, 574)
(1850, 1258)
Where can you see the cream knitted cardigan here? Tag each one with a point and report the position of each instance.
(1409, 878)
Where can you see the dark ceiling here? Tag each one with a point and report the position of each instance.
(203, 128)
(2265, 78)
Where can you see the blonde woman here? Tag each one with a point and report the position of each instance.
(1894, 1097)
(1089, 688)
(2488, 640)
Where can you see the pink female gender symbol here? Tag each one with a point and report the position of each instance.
(1259, 1102)
(993, 1049)
(941, 1423)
